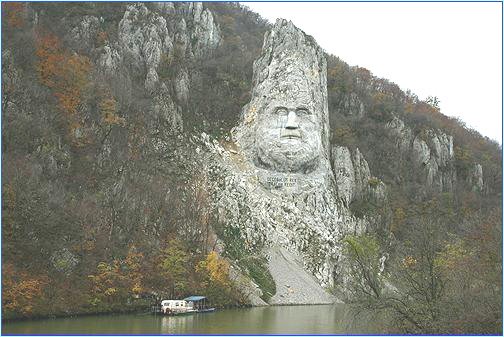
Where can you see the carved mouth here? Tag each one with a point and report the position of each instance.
(290, 134)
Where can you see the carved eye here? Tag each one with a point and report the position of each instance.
(281, 111)
(302, 111)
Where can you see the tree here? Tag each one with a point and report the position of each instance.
(133, 264)
(174, 267)
(67, 76)
(363, 254)
(108, 285)
(412, 294)
(437, 283)
(14, 13)
(215, 281)
(433, 101)
(21, 292)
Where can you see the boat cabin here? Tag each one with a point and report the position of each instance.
(197, 302)
(174, 306)
(191, 304)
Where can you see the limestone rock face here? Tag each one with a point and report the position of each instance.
(83, 36)
(344, 173)
(308, 221)
(64, 261)
(435, 154)
(401, 133)
(289, 97)
(165, 7)
(205, 34)
(146, 34)
(144, 37)
(475, 178)
(431, 151)
(167, 112)
(278, 188)
(109, 60)
(351, 172)
(149, 36)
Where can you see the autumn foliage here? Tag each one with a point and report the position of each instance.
(65, 74)
(215, 279)
(14, 14)
(108, 109)
(114, 282)
(216, 269)
(21, 292)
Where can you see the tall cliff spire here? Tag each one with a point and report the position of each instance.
(290, 79)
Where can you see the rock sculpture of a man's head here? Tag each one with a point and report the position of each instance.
(285, 124)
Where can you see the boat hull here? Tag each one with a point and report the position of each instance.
(189, 312)
(180, 313)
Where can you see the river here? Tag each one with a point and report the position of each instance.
(308, 319)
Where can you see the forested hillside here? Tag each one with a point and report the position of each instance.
(106, 110)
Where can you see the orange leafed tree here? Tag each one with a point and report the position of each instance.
(20, 291)
(14, 13)
(66, 75)
(134, 261)
(108, 284)
(108, 108)
(216, 268)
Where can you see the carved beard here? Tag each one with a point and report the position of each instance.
(288, 155)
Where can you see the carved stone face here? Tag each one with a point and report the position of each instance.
(288, 138)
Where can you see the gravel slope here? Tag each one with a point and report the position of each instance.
(294, 285)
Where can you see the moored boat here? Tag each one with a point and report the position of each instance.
(189, 305)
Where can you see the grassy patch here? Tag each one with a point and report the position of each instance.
(258, 271)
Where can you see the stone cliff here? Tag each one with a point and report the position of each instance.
(156, 43)
(432, 152)
(279, 187)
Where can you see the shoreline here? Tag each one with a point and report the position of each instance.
(146, 311)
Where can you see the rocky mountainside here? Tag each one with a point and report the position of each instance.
(161, 149)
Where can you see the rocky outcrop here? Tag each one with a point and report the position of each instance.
(143, 39)
(401, 133)
(64, 261)
(250, 290)
(109, 60)
(291, 68)
(146, 34)
(167, 114)
(352, 174)
(431, 151)
(83, 36)
(205, 34)
(475, 178)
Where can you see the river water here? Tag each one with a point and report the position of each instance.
(308, 319)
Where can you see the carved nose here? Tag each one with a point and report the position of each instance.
(291, 121)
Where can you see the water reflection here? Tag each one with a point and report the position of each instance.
(176, 324)
(316, 319)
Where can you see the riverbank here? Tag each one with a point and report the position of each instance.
(126, 310)
(136, 309)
